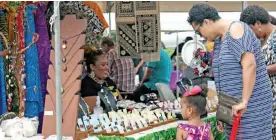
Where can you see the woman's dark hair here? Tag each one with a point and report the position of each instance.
(202, 11)
(272, 20)
(199, 100)
(91, 56)
(254, 13)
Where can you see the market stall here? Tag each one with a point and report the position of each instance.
(40, 93)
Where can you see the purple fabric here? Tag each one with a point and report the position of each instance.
(173, 79)
(43, 48)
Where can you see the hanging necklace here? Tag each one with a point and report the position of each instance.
(64, 46)
(101, 82)
(11, 84)
(8, 76)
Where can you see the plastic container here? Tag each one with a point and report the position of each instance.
(98, 109)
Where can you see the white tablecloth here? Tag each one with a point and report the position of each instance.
(135, 136)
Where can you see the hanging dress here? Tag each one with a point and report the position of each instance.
(4, 30)
(33, 104)
(21, 60)
(3, 103)
(44, 48)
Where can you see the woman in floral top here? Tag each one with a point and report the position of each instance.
(259, 21)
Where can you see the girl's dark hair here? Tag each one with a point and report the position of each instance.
(202, 11)
(254, 13)
(91, 57)
(272, 20)
(199, 100)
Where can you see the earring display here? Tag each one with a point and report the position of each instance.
(123, 123)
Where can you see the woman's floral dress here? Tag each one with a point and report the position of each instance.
(269, 51)
(196, 132)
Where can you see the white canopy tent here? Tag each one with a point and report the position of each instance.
(177, 21)
(168, 23)
(185, 6)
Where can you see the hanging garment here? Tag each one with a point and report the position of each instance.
(97, 10)
(4, 30)
(3, 103)
(44, 48)
(33, 104)
(21, 60)
(126, 29)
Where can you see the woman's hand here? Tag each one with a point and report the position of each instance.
(220, 127)
(241, 107)
(4, 53)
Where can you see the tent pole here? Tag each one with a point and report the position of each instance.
(58, 72)
(177, 66)
(244, 4)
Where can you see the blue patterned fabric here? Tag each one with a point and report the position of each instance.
(256, 122)
(33, 102)
(3, 103)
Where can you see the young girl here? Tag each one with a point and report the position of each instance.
(193, 104)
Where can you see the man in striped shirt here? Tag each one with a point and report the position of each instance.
(121, 70)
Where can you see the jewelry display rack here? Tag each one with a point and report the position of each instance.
(72, 56)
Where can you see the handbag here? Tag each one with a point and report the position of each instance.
(225, 103)
(224, 109)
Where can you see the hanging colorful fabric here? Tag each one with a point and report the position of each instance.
(44, 48)
(4, 30)
(3, 103)
(97, 10)
(33, 103)
(21, 60)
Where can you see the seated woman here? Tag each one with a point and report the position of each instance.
(96, 82)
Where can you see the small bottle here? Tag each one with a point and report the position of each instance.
(98, 109)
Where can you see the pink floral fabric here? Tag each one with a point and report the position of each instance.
(196, 132)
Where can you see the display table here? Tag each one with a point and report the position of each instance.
(165, 132)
